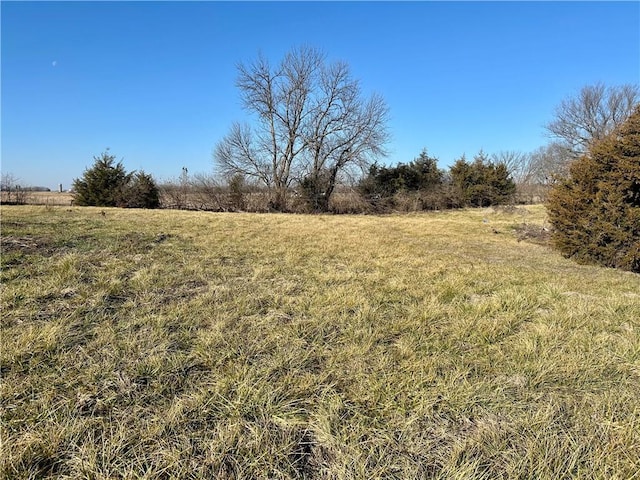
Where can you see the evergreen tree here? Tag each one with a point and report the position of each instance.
(107, 184)
(595, 212)
(103, 184)
(481, 183)
(419, 175)
(142, 192)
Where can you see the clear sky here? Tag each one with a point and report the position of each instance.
(154, 81)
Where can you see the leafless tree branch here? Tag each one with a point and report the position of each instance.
(594, 113)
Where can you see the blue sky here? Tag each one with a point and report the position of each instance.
(154, 81)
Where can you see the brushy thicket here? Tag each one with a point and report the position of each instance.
(421, 185)
(595, 212)
(417, 186)
(106, 184)
(482, 183)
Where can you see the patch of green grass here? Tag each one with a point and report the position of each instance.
(167, 344)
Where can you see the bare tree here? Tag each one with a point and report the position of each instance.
(534, 172)
(343, 131)
(12, 192)
(518, 164)
(8, 182)
(207, 193)
(550, 162)
(593, 114)
(177, 193)
(521, 168)
(278, 99)
(311, 124)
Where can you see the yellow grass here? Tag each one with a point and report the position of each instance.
(168, 344)
(39, 198)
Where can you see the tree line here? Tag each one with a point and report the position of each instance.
(313, 139)
(480, 183)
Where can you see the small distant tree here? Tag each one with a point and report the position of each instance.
(107, 184)
(103, 184)
(12, 192)
(595, 211)
(481, 183)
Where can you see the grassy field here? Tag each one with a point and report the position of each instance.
(39, 198)
(169, 344)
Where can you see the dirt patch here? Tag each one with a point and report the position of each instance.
(26, 245)
(538, 234)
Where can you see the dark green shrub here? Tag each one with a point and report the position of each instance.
(236, 192)
(103, 184)
(141, 192)
(313, 190)
(481, 183)
(107, 184)
(390, 187)
(595, 211)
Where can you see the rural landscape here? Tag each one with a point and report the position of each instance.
(456, 343)
(310, 306)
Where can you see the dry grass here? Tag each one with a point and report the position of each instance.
(39, 198)
(168, 344)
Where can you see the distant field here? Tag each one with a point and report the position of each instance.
(44, 198)
(172, 344)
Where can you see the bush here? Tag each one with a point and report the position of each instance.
(107, 184)
(388, 188)
(595, 212)
(141, 192)
(313, 188)
(101, 185)
(236, 192)
(482, 183)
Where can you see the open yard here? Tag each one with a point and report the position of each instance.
(171, 344)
